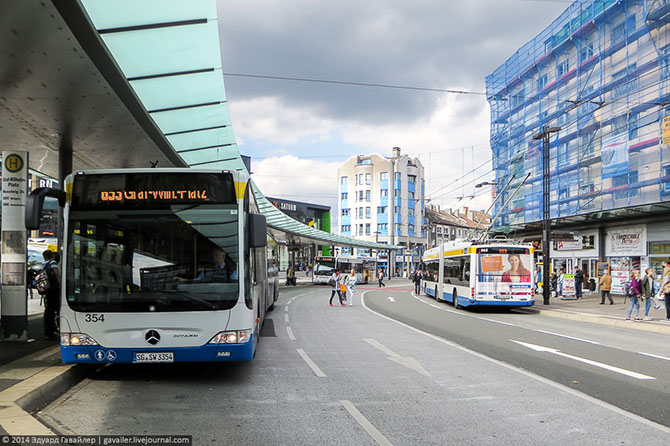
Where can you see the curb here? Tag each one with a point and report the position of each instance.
(606, 320)
(18, 401)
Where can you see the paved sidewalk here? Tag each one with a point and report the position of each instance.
(588, 309)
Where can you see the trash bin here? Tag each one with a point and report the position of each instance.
(592, 285)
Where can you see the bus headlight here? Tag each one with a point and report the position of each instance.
(75, 339)
(231, 337)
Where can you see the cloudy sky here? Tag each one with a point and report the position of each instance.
(297, 133)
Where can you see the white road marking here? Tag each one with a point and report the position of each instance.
(655, 356)
(365, 424)
(290, 333)
(546, 381)
(406, 361)
(286, 309)
(317, 371)
(540, 348)
(286, 318)
(391, 299)
(497, 322)
(568, 337)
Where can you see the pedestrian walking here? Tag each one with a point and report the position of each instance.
(380, 278)
(290, 275)
(553, 280)
(647, 291)
(633, 291)
(605, 288)
(417, 282)
(665, 289)
(579, 282)
(335, 282)
(560, 282)
(351, 287)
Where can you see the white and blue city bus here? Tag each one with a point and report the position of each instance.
(324, 266)
(490, 273)
(143, 274)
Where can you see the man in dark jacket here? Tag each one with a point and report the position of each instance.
(417, 281)
(52, 295)
(579, 282)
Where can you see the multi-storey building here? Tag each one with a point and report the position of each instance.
(601, 73)
(382, 199)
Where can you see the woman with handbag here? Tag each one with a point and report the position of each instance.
(634, 294)
(334, 281)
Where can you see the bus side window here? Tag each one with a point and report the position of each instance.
(466, 270)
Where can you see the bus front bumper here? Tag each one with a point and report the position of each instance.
(97, 354)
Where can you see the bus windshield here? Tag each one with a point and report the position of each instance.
(324, 267)
(178, 258)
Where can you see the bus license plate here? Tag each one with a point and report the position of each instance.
(153, 357)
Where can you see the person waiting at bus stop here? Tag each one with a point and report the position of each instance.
(52, 295)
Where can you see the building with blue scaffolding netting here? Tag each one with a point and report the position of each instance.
(601, 73)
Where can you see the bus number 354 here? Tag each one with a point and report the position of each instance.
(94, 317)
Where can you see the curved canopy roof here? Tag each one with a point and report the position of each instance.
(168, 53)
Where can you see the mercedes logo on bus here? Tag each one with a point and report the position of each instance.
(152, 337)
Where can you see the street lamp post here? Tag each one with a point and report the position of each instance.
(546, 216)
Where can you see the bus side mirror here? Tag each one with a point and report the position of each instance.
(258, 229)
(35, 204)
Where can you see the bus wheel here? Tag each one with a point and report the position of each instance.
(455, 297)
(437, 298)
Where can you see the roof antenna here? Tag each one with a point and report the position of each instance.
(153, 163)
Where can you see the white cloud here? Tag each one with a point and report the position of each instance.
(266, 118)
(298, 179)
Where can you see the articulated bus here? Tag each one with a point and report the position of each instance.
(159, 265)
(491, 273)
(365, 268)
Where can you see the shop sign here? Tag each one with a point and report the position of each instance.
(629, 241)
(568, 245)
(666, 130)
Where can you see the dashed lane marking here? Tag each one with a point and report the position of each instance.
(365, 424)
(315, 368)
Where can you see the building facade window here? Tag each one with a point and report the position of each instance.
(345, 212)
(666, 174)
(398, 176)
(383, 176)
(381, 209)
(343, 181)
(384, 193)
(367, 228)
(367, 195)
(367, 212)
(368, 178)
(345, 195)
(586, 53)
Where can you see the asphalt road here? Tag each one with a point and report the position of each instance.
(355, 375)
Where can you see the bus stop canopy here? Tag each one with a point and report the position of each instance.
(161, 59)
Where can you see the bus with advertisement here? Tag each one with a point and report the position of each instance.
(324, 266)
(159, 265)
(489, 273)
